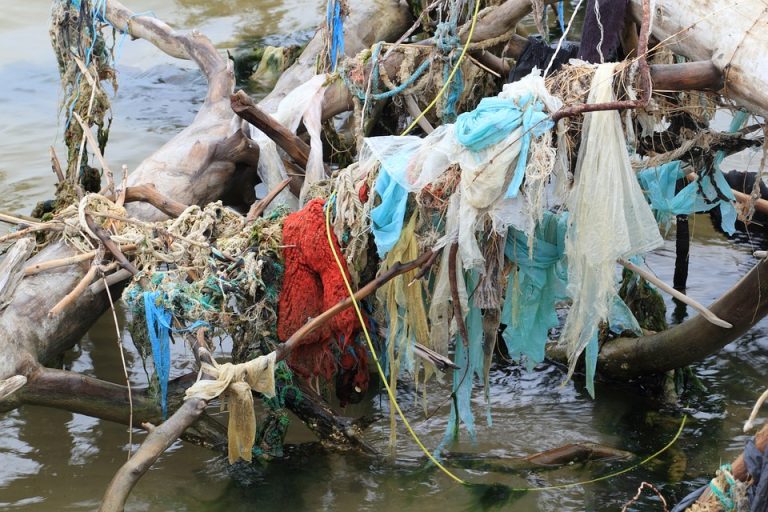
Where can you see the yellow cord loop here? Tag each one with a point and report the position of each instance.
(451, 75)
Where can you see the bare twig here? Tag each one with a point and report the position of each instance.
(296, 148)
(74, 294)
(259, 206)
(26, 231)
(125, 368)
(414, 110)
(18, 218)
(64, 262)
(458, 312)
(56, 166)
(110, 245)
(750, 423)
(158, 440)
(426, 266)
(111, 279)
(706, 313)
(644, 77)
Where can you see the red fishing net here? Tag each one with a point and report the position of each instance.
(313, 283)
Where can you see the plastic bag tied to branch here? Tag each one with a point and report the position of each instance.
(609, 219)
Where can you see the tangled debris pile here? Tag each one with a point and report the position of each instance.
(512, 207)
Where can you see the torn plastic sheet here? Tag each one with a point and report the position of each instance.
(609, 219)
(534, 290)
(495, 163)
(303, 103)
(710, 191)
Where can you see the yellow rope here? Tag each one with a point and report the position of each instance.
(391, 394)
(415, 437)
(450, 76)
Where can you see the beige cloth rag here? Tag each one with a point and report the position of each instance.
(237, 380)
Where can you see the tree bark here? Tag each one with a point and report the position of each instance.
(730, 34)
(693, 340)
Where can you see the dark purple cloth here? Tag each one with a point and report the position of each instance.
(612, 19)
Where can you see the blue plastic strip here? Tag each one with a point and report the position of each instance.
(158, 328)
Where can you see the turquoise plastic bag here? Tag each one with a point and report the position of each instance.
(387, 218)
(529, 303)
(709, 191)
(494, 119)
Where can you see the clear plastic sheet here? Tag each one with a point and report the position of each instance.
(609, 218)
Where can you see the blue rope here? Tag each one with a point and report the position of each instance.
(561, 15)
(725, 498)
(360, 93)
(335, 25)
(446, 41)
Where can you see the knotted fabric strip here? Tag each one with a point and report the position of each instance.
(238, 380)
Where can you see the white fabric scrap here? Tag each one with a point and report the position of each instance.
(302, 103)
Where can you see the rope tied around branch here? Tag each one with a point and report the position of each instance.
(237, 380)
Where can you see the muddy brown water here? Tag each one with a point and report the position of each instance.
(52, 460)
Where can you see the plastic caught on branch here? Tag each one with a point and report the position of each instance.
(533, 290)
(609, 219)
(499, 135)
(302, 103)
(494, 119)
(158, 329)
(238, 380)
(470, 360)
(711, 190)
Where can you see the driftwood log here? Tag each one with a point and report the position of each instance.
(730, 35)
